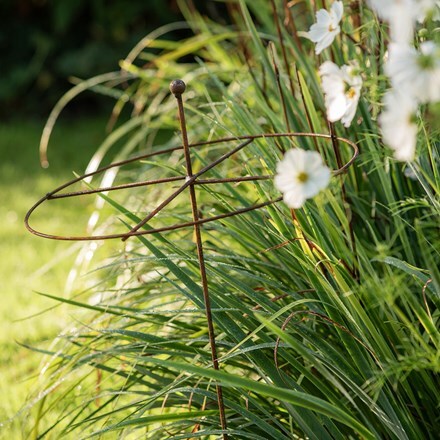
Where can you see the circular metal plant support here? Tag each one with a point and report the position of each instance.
(188, 182)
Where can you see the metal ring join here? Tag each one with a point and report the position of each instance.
(187, 181)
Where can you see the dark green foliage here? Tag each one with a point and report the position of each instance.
(43, 43)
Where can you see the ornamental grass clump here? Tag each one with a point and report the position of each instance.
(326, 307)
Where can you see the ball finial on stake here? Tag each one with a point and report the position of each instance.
(177, 87)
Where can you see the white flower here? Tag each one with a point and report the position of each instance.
(324, 31)
(398, 125)
(301, 175)
(401, 15)
(427, 9)
(416, 73)
(342, 88)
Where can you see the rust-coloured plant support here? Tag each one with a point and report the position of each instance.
(190, 181)
(137, 230)
(177, 88)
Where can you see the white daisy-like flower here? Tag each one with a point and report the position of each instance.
(342, 89)
(324, 31)
(301, 175)
(398, 125)
(417, 73)
(400, 14)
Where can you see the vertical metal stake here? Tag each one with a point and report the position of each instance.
(177, 88)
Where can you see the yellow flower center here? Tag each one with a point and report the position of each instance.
(331, 28)
(350, 93)
(302, 177)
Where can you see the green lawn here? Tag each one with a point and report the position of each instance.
(29, 263)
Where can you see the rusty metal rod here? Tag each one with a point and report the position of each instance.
(143, 232)
(177, 87)
(212, 142)
(54, 193)
(157, 181)
(188, 181)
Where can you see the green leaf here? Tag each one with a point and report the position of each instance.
(296, 398)
(409, 269)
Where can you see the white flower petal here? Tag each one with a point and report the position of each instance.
(323, 17)
(402, 25)
(296, 157)
(310, 190)
(294, 199)
(317, 32)
(401, 15)
(314, 162)
(285, 182)
(417, 73)
(326, 41)
(322, 179)
(399, 131)
(336, 108)
(338, 9)
(349, 113)
(329, 68)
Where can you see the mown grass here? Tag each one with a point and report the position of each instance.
(29, 264)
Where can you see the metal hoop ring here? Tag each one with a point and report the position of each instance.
(187, 182)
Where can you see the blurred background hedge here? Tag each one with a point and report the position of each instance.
(44, 43)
